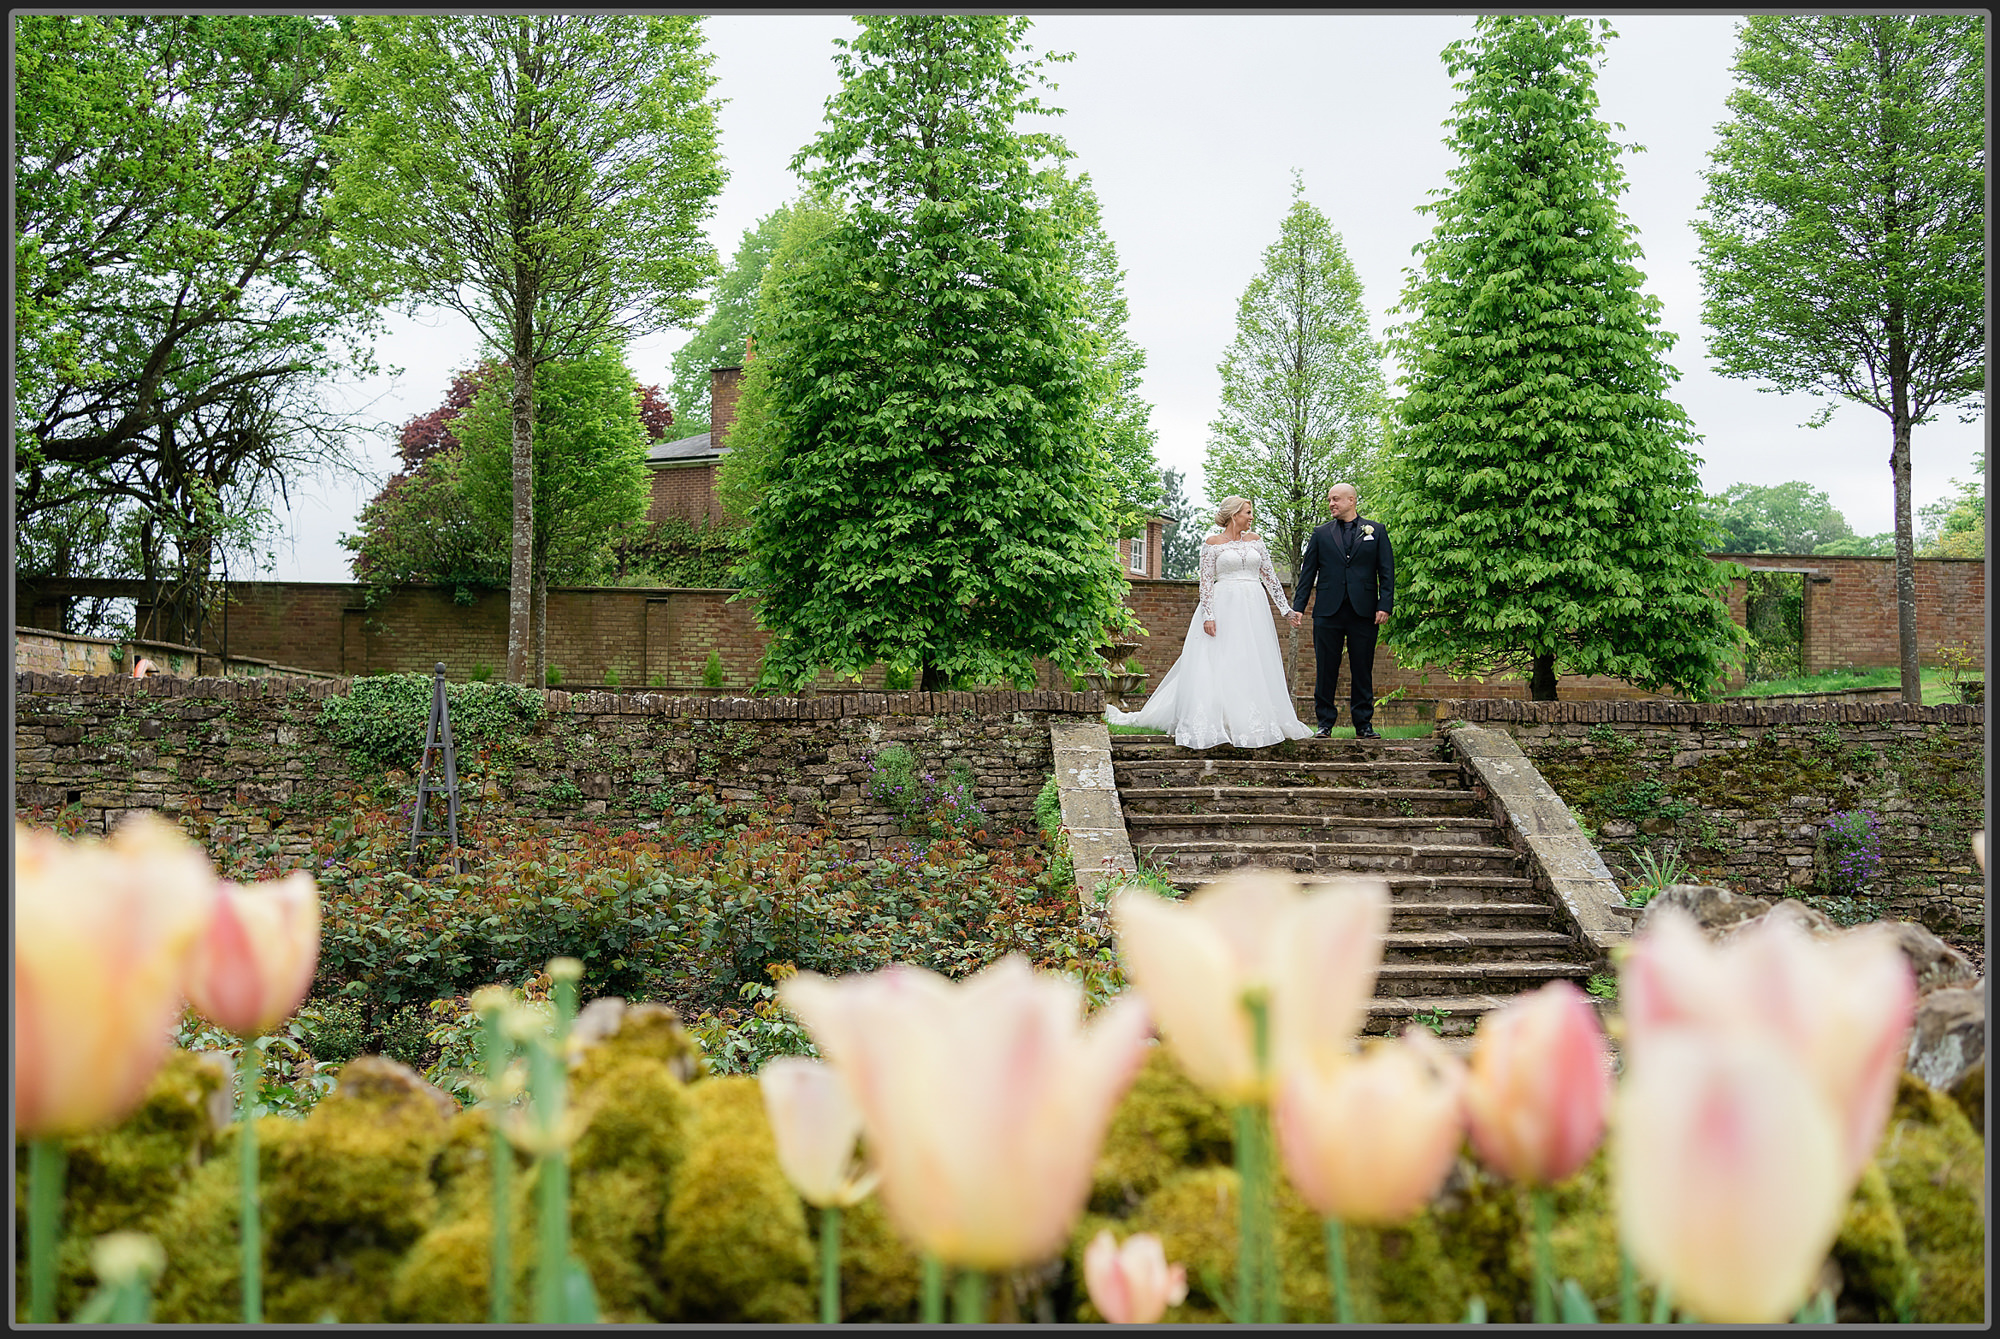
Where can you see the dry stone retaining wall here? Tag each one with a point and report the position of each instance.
(1744, 791)
(246, 758)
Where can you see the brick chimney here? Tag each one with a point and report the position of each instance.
(723, 386)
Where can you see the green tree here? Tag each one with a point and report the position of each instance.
(544, 175)
(1302, 389)
(1791, 517)
(1955, 525)
(179, 294)
(1844, 250)
(1859, 546)
(722, 340)
(1125, 417)
(420, 529)
(591, 483)
(1544, 498)
(925, 400)
(1182, 540)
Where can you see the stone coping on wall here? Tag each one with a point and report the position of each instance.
(1560, 857)
(1092, 817)
(828, 706)
(1498, 709)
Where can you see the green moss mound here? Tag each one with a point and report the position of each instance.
(736, 1247)
(120, 1180)
(1164, 1124)
(1934, 1164)
(1879, 1279)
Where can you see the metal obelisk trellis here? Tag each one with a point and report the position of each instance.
(437, 743)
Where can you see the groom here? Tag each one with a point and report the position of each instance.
(1350, 560)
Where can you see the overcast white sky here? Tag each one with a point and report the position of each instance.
(1190, 126)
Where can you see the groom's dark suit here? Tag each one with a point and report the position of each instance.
(1355, 571)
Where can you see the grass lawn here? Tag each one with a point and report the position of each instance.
(1936, 690)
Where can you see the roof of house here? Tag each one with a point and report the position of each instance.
(697, 447)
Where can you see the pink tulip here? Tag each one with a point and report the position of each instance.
(1728, 1173)
(983, 1101)
(1313, 956)
(1370, 1140)
(1132, 1284)
(1843, 1007)
(253, 963)
(1539, 1088)
(815, 1123)
(101, 938)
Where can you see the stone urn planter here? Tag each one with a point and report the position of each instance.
(1117, 678)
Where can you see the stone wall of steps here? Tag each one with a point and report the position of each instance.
(1468, 929)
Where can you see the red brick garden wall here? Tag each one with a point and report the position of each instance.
(1850, 607)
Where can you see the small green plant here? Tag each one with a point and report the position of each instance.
(555, 676)
(1655, 876)
(1433, 1018)
(1048, 809)
(711, 673)
(565, 793)
(897, 679)
(1603, 985)
(739, 1041)
(656, 681)
(1606, 737)
(481, 672)
(611, 679)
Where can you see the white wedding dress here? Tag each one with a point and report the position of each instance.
(1229, 688)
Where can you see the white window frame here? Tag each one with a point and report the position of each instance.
(1135, 561)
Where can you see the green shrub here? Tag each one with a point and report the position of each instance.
(381, 719)
(555, 676)
(611, 679)
(481, 672)
(1048, 810)
(924, 802)
(711, 673)
(897, 679)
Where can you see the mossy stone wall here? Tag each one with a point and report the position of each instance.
(246, 759)
(1743, 793)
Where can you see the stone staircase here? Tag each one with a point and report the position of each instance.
(1468, 929)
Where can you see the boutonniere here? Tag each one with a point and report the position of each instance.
(1368, 532)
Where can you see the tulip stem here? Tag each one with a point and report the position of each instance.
(933, 1293)
(829, 1265)
(249, 1228)
(501, 1281)
(45, 1178)
(1336, 1264)
(1256, 1281)
(969, 1306)
(1628, 1290)
(1545, 1268)
(1663, 1304)
(547, 1063)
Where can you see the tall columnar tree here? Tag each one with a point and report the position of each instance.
(1182, 540)
(923, 407)
(179, 294)
(1126, 416)
(544, 175)
(1844, 249)
(1302, 388)
(1544, 499)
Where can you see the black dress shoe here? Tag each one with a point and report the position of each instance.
(1363, 732)
(1324, 732)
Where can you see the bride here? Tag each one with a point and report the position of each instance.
(1228, 687)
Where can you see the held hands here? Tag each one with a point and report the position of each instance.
(1294, 617)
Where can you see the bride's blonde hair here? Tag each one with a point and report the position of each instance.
(1230, 506)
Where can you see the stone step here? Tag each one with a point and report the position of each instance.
(1190, 857)
(1404, 801)
(1345, 745)
(1456, 1016)
(1483, 975)
(1423, 894)
(1464, 943)
(1449, 916)
(1195, 771)
(1435, 830)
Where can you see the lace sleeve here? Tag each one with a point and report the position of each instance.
(1208, 552)
(1270, 575)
